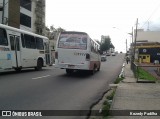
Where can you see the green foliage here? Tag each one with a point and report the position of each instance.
(118, 80)
(142, 74)
(106, 105)
(106, 45)
(105, 102)
(112, 46)
(105, 109)
(98, 41)
(110, 97)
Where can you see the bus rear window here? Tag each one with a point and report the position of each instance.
(73, 41)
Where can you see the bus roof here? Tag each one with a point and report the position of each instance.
(21, 31)
(73, 32)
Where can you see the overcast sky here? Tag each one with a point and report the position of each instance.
(98, 17)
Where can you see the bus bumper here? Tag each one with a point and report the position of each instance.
(72, 66)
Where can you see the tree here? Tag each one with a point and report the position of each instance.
(106, 44)
(60, 29)
(52, 33)
(112, 46)
(98, 42)
(52, 29)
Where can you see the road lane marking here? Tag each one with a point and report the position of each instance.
(41, 77)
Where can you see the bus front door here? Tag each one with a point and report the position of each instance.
(15, 52)
(47, 53)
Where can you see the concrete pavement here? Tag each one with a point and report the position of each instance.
(133, 96)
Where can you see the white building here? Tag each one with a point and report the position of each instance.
(148, 36)
(24, 14)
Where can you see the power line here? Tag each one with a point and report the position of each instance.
(151, 15)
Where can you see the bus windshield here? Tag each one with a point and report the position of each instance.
(72, 41)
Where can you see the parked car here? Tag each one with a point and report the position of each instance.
(108, 54)
(103, 58)
(113, 54)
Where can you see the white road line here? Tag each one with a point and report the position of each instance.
(41, 77)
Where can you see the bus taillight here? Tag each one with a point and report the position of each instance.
(56, 55)
(87, 57)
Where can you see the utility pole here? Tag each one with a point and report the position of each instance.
(132, 35)
(135, 40)
(134, 45)
(3, 12)
(126, 46)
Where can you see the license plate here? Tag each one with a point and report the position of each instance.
(71, 66)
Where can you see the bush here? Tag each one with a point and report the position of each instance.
(105, 102)
(118, 80)
(105, 109)
(110, 97)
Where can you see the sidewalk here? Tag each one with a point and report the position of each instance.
(136, 96)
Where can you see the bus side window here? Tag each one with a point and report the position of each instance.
(33, 43)
(39, 43)
(3, 37)
(92, 47)
(23, 41)
(30, 41)
(96, 48)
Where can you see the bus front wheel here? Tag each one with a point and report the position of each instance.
(39, 65)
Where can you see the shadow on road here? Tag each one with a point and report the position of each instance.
(79, 75)
(20, 72)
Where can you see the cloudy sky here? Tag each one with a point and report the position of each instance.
(104, 17)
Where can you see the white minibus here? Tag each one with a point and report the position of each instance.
(22, 49)
(77, 51)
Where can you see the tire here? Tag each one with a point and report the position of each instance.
(18, 69)
(93, 71)
(98, 69)
(39, 65)
(69, 71)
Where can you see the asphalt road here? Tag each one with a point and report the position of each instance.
(52, 89)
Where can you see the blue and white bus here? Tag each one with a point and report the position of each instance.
(22, 49)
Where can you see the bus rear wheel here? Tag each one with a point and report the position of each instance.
(69, 71)
(98, 69)
(93, 71)
(39, 65)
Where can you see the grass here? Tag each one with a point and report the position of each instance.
(142, 74)
(110, 97)
(106, 103)
(118, 80)
(105, 109)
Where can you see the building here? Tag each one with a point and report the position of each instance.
(24, 14)
(148, 36)
(147, 52)
(147, 48)
(103, 38)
